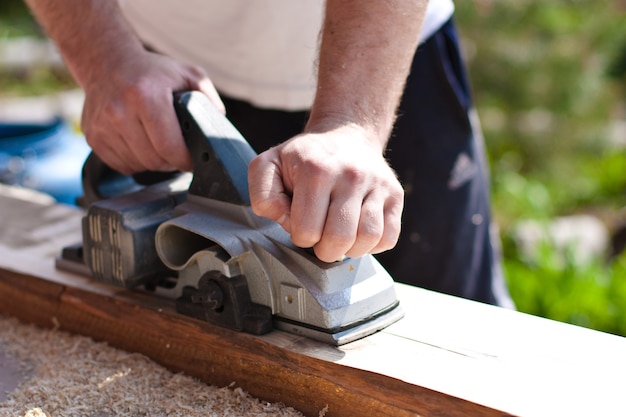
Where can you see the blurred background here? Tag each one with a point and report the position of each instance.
(549, 83)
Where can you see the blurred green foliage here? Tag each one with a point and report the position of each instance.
(549, 81)
(34, 81)
(540, 72)
(560, 287)
(15, 20)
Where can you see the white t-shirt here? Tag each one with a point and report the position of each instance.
(261, 51)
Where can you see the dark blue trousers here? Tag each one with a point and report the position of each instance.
(437, 151)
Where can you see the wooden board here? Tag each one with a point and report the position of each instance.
(447, 357)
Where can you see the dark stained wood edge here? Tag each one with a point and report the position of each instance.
(134, 322)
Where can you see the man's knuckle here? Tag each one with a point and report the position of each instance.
(140, 96)
(319, 169)
(114, 112)
(133, 93)
(305, 238)
(340, 239)
(354, 174)
(370, 232)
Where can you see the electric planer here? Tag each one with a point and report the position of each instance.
(194, 238)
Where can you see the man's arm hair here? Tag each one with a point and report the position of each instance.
(365, 55)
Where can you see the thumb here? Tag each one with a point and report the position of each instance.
(268, 195)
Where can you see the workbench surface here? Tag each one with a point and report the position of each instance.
(448, 356)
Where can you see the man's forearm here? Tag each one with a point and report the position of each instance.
(92, 35)
(365, 57)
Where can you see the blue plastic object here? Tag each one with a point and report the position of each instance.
(45, 156)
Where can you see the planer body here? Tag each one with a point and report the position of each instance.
(193, 238)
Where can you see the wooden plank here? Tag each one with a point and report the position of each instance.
(447, 357)
(279, 374)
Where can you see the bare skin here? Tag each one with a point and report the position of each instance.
(128, 117)
(330, 187)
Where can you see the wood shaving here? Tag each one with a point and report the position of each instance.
(76, 376)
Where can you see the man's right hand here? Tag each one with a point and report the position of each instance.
(129, 120)
(128, 117)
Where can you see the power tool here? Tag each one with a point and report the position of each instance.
(193, 237)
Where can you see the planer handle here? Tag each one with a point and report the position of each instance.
(219, 152)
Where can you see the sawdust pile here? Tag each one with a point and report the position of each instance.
(75, 376)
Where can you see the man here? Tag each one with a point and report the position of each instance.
(327, 181)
